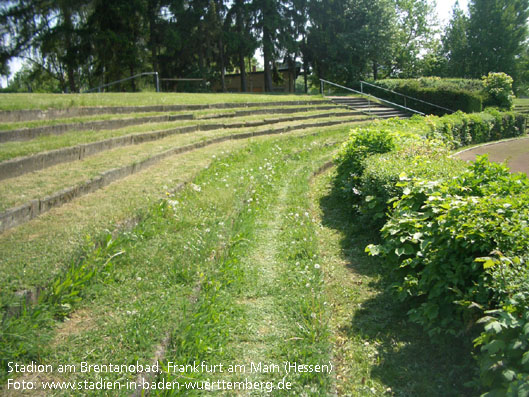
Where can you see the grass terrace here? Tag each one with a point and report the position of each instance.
(62, 101)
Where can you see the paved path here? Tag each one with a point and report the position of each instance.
(515, 152)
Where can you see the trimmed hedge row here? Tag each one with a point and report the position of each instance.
(455, 237)
(446, 93)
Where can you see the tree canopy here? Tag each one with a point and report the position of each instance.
(72, 45)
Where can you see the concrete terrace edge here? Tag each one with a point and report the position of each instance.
(24, 134)
(21, 214)
(38, 114)
(23, 165)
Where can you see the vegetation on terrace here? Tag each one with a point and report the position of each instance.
(58, 101)
(452, 238)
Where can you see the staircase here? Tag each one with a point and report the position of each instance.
(372, 108)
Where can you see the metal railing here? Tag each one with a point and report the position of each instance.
(404, 96)
(322, 82)
(98, 89)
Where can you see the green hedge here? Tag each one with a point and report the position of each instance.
(455, 238)
(418, 133)
(451, 94)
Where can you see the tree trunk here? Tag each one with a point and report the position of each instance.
(375, 70)
(221, 48)
(70, 61)
(240, 49)
(292, 74)
(305, 76)
(268, 46)
(267, 72)
(153, 42)
(242, 66)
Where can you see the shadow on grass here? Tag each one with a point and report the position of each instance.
(411, 363)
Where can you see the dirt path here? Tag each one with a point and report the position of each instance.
(515, 152)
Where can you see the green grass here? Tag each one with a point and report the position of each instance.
(19, 190)
(36, 251)
(179, 271)
(63, 101)
(376, 350)
(207, 113)
(84, 119)
(9, 150)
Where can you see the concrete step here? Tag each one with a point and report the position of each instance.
(369, 107)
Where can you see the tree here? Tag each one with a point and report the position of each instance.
(117, 40)
(45, 32)
(415, 33)
(241, 41)
(349, 38)
(455, 44)
(497, 33)
(270, 22)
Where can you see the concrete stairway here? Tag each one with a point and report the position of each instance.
(369, 107)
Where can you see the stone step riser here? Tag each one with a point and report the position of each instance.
(24, 213)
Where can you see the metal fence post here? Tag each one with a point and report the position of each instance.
(321, 88)
(157, 82)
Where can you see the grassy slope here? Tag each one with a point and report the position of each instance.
(179, 271)
(61, 101)
(9, 150)
(19, 190)
(237, 268)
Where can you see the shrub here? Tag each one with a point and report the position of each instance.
(438, 229)
(504, 341)
(455, 248)
(466, 95)
(379, 183)
(362, 142)
(418, 134)
(455, 238)
(451, 94)
(498, 90)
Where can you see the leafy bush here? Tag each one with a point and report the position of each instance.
(438, 229)
(504, 341)
(498, 90)
(380, 181)
(418, 135)
(362, 142)
(454, 249)
(455, 238)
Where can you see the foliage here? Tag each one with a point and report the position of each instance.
(491, 39)
(379, 183)
(504, 357)
(498, 87)
(420, 136)
(362, 143)
(453, 238)
(497, 30)
(455, 44)
(455, 248)
(33, 80)
(452, 94)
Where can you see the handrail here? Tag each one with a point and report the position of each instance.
(371, 96)
(126, 79)
(404, 95)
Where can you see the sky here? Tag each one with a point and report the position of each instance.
(443, 8)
